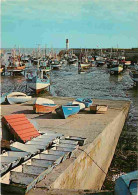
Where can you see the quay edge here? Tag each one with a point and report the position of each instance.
(83, 173)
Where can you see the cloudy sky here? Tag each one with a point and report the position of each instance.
(86, 23)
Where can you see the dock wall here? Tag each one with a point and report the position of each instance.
(84, 172)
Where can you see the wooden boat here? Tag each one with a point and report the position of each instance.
(82, 105)
(134, 76)
(127, 184)
(100, 63)
(69, 109)
(37, 84)
(98, 109)
(85, 65)
(55, 64)
(72, 60)
(18, 98)
(116, 70)
(43, 105)
(86, 101)
(16, 67)
(2, 69)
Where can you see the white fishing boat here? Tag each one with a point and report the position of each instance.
(37, 84)
(82, 105)
(43, 105)
(55, 64)
(18, 98)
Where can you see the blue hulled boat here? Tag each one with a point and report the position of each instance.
(87, 101)
(127, 184)
(67, 110)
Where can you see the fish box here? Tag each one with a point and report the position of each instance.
(98, 109)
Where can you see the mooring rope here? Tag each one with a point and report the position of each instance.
(93, 161)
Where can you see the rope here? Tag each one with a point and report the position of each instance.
(93, 161)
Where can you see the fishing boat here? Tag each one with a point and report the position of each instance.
(37, 84)
(55, 64)
(18, 98)
(86, 101)
(127, 184)
(72, 61)
(117, 69)
(85, 65)
(2, 69)
(17, 67)
(98, 109)
(67, 110)
(82, 105)
(100, 63)
(15, 63)
(134, 76)
(43, 105)
(83, 62)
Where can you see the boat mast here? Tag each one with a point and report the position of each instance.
(19, 55)
(45, 50)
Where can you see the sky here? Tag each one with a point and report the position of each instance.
(86, 23)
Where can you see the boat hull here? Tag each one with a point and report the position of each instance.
(67, 110)
(17, 98)
(134, 77)
(44, 108)
(86, 102)
(116, 70)
(85, 66)
(38, 85)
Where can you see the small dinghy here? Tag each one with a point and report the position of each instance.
(86, 101)
(43, 105)
(67, 110)
(98, 109)
(82, 105)
(18, 98)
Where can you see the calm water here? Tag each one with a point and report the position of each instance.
(95, 83)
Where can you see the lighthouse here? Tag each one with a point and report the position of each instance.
(67, 44)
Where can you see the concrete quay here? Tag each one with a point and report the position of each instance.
(87, 167)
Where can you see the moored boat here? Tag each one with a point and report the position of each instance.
(85, 65)
(18, 98)
(37, 84)
(67, 110)
(134, 76)
(116, 70)
(55, 64)
(100, 63)
(43, 105)
(86, 101)
(82, 105)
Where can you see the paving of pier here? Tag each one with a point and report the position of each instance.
(83, 124)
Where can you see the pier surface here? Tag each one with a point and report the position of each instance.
(88, 166)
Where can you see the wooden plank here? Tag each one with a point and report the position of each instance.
(41, 162)
(22, 178)
(31, 169)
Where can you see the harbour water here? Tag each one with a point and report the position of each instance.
(95, 83)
